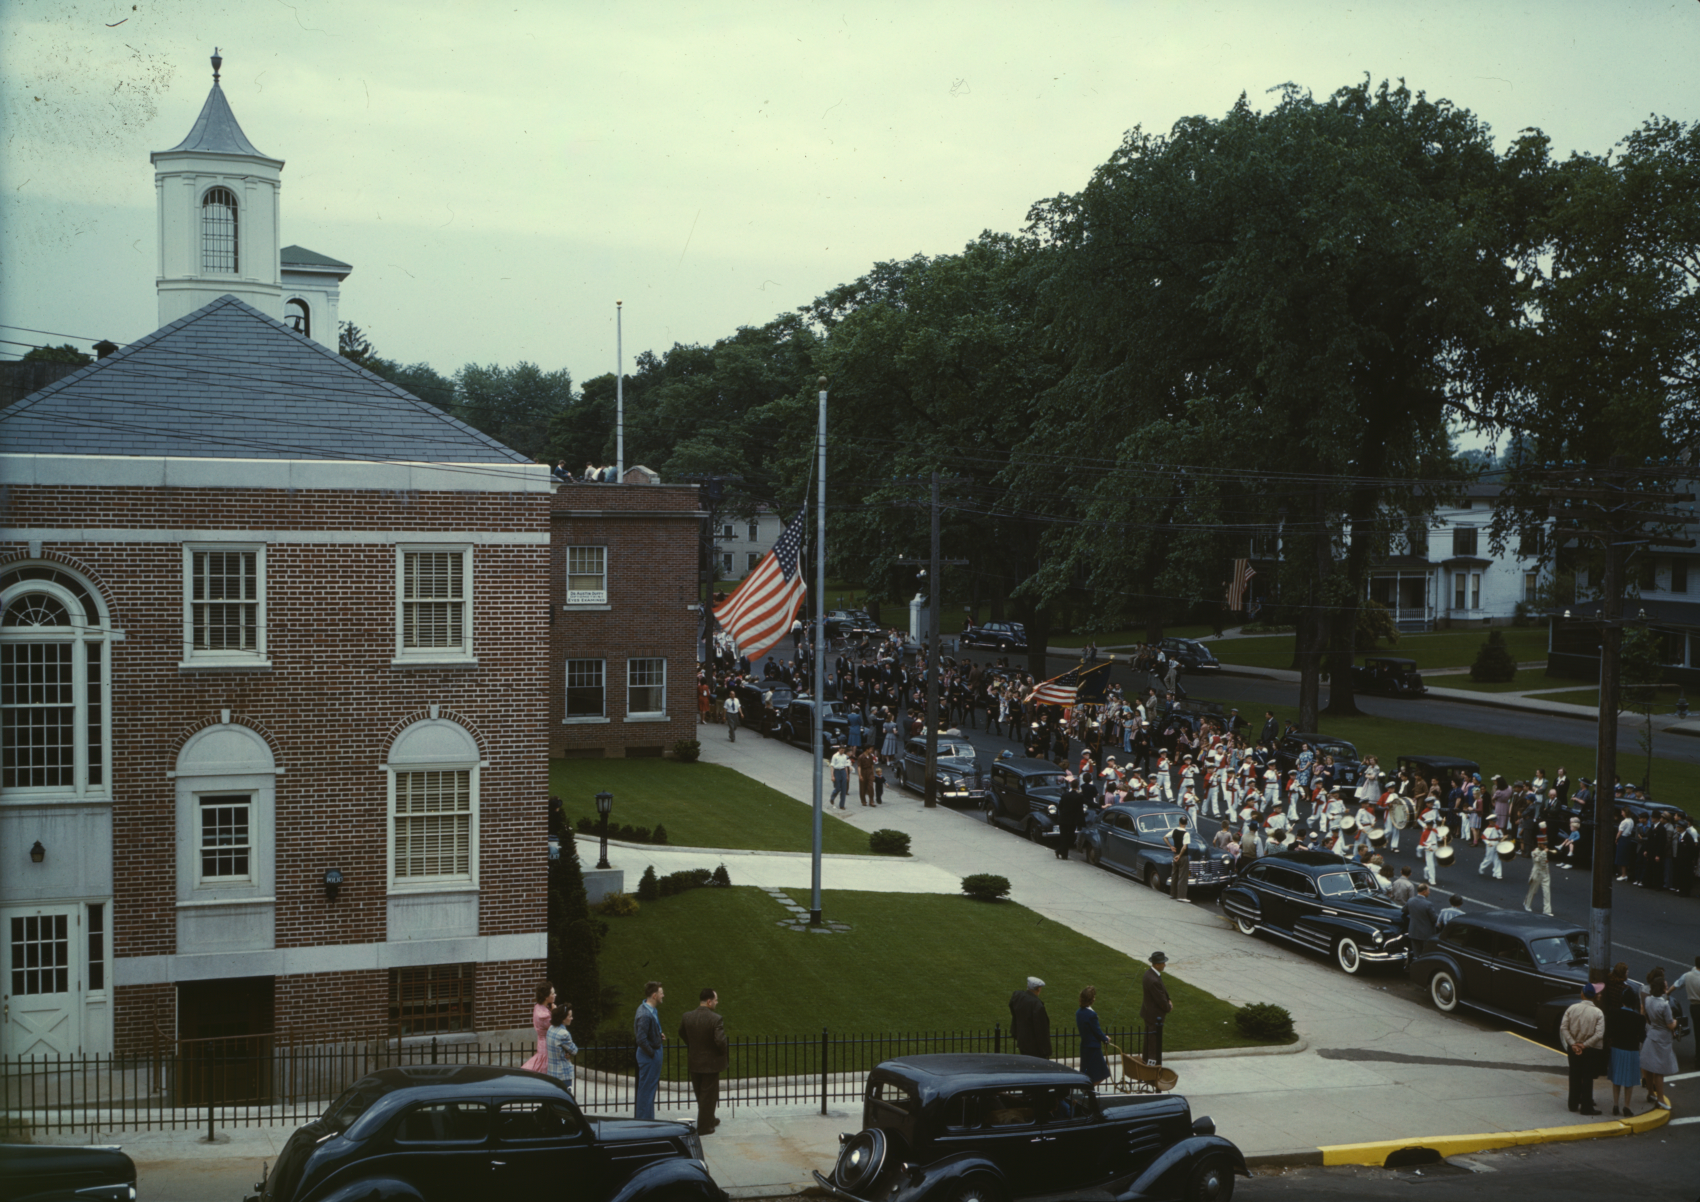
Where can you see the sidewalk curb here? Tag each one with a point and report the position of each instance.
(1295, 1158)
(1377, 1152)
(1285, 1049)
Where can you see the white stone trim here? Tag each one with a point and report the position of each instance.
(379, 538)
(165, 471)
(338, 957)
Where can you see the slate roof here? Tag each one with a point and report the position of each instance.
(294, 256)
(229, 382)
(216, 131)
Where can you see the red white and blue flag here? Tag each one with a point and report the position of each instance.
(1242, 574)
(759, 613)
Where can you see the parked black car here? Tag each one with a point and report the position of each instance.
(1390, 675)
(1194, 655)
(987, 1128)
(1188, 713)
(849, 623)
(1522, 967)
(446, 1133)
(763, 702)
(1437, 768)
(1133, 839)
(1348, 767)
(960, 776)
(1024, 797)
(52, 1173)
(796, 725)
(1001, 636)
(1320, 901)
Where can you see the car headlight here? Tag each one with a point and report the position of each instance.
(1051, 810)
(1376, 938)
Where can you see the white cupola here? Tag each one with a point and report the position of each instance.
(218, 216)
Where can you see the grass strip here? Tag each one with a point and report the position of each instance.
(1443, 649)
(911, 963)
(701, 805)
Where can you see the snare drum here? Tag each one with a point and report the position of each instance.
(1507, 849)
(1446, 854)
(1378, 837)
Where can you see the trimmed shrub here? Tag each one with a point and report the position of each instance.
(586, 826)
(983, 886)
(628, 833)
(659, 835)
(617, 905)
(721, 879)
(675, 883)
(888, 843)
(687, 751)
(1261, 1020)
(640, 835)
(1493, 661)
(648, 890)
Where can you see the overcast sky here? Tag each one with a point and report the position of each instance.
(499, 174)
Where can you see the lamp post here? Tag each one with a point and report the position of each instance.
(604, 804)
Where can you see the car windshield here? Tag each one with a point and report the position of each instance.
(1344, 884)
(1337, 750)
(1561, 949)
(1042, 780)
(961, 751)
(1160, 823)
(354, 1102)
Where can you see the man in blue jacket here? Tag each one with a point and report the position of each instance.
(646, 1030)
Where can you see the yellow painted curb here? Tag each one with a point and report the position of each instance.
(1375, 1153)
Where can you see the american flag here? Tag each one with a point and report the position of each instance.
(1243, 572)
(759, 613)
(1059, 690)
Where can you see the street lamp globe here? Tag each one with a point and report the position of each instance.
(604, 803)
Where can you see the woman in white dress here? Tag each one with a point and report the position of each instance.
(1658, 1050)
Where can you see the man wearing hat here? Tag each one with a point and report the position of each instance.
(1582, 1032)
(1540, 876)
(1071, 813)
(1155, 1008)
(1029, 1022)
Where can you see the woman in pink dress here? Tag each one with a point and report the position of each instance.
(540, 1019)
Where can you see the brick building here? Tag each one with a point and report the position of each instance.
(272, 669)
(623, 648)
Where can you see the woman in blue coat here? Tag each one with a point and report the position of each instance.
(1092, 1061)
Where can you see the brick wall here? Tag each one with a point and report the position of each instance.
(328, 706)
(651, 533)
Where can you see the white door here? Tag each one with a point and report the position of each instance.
(41, 982)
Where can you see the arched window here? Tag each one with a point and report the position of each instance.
(54, 729)
(299, 317)
(433, 768)
(218, 231)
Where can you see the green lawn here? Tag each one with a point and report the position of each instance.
(1664, 701)
(1525, 680)
(701, 805)
(1514, 758)
(1123, 638)
(910, 963)
(1443, 649)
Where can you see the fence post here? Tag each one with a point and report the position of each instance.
(210, 1138)
(1160, 1018)
(997, 1038)
(433, 1049)
(823, 1052)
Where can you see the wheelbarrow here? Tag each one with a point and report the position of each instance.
(1140, 1076)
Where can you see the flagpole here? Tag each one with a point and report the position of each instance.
(818, 740)
(620, 399)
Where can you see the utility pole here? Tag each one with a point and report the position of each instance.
(818, 736)
(935, 564)
(1618, 517)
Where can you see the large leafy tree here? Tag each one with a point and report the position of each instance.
(1270, 319)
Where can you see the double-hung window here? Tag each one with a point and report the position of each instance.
(225, 843)
(55, 733)
(587, 575)
(646, 688)
(434, 605)
(587, 691)
(433, 826)
(224, 606)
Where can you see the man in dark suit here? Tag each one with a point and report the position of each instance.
(703, 1033)
(1071, 815)
(1155, 1008)
(1422, 920)
(1028, 1021)
(646, 1032)
(1271, 732)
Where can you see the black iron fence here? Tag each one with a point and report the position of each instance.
(288, 1079)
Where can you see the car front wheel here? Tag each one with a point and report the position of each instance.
(1034, 834)
(1245, 926)
(1443, 988)
(1094, 854)
(1211, 1181)
(980, 1187)
(1347, 955)
(1152, 879)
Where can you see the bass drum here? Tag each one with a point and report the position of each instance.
(1399, 813)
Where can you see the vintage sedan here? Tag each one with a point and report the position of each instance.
(1318, 900)
(989, 1128)
(1522, 967)
(1193, 655)
(55, 1173)
(1437, 769)
(1348, 766)
(1390, 675)
(796, 726)
(1024, 797)
(999, 636)
(763, 703)
(960, 776)
(445, 1133)
(1133, 839)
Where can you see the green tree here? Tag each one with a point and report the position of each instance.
(517, 406)
(1269, 319)
(63, 353)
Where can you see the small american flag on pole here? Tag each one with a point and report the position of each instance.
(1059, 690)
(1243, 572)
(759, 613)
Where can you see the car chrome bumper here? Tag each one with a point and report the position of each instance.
(826, 1184)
